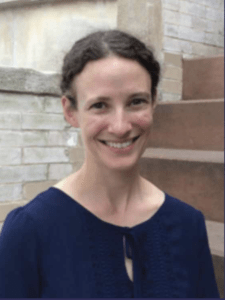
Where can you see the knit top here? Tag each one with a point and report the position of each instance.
(53, 247)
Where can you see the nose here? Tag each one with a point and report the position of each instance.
(120, 124)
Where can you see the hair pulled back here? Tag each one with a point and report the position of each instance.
(102, 44)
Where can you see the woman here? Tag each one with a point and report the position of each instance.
(105, 231)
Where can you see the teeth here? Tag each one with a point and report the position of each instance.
(119, 145)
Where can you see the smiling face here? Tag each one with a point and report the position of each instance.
(114, 111)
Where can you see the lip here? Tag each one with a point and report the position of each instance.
(121, 150)
(121, 142)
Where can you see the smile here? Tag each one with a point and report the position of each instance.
(120, 145)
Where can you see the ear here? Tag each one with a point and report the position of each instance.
(70, 113)
(155, 101)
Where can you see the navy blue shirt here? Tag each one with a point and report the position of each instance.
(55, 248)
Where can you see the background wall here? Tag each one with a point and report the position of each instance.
(192, 28)
(38, 36)
(37, 147)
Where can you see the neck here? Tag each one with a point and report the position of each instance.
(113, 190)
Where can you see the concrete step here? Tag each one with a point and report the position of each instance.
(195, 125)
(215, 232)
(203, 78)
(196, 177)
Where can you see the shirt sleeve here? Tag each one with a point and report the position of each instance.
(19, 276)
(207, 287)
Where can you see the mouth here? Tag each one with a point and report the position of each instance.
(120, 145)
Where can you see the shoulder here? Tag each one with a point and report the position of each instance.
(45, 208)
(180, 213)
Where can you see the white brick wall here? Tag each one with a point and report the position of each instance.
(192, 28)
(10, 192)
(35, 142)
(21, 173)
(44, 155)
(58, 171)
(193, 21)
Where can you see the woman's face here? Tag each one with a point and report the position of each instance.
(114, 111)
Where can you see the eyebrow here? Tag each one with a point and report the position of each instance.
(102, 98)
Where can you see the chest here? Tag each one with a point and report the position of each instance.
(94, 264)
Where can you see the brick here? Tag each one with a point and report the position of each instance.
(32, 189)
(214, 15)
(172, 72)
(77, 165)
(10, 156)
(168, 97)
(44, 155)
(191, 34)
(20, 103)
(218, 4)
(76, 154)
(199, 23)
(10, 192)
(210, 26)
(185, 20)
(11, 174)
(63, 138)
(171, 30)
(10, 121)
(171, 44)
(5, 208)
(206, 50)
(10, 138)
(34, 138)
(59, 171)
(43, 121)
(192, 8)
(186, 46)
(171, 17)
(53, 105)
(214, 39)
(171, 86)
(173, 59)
(171, 4)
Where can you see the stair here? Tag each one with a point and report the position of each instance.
(185, 154)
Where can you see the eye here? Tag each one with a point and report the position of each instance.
(98, 105)
(138, 101)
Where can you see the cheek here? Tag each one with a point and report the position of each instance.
(144, 120)
(93, 125)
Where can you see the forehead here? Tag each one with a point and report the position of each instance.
(112, 74)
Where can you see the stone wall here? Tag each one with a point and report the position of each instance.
(192, 28)
(37, 146)
(37, 34)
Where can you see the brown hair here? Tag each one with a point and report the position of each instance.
(102, 44)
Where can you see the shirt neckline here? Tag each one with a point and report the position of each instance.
(122, 228)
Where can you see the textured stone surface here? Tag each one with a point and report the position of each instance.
(44, 155)
(43, 121)
(218, 263)
(5, 208)
(20, 102)
(142, 18)
(10, 156)
(196, 125)
(203, 78)
(59, 171)
(51, 29)
(28, 81)
(31, 189)
(198, 183)
(10, 192)
(11, 174)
